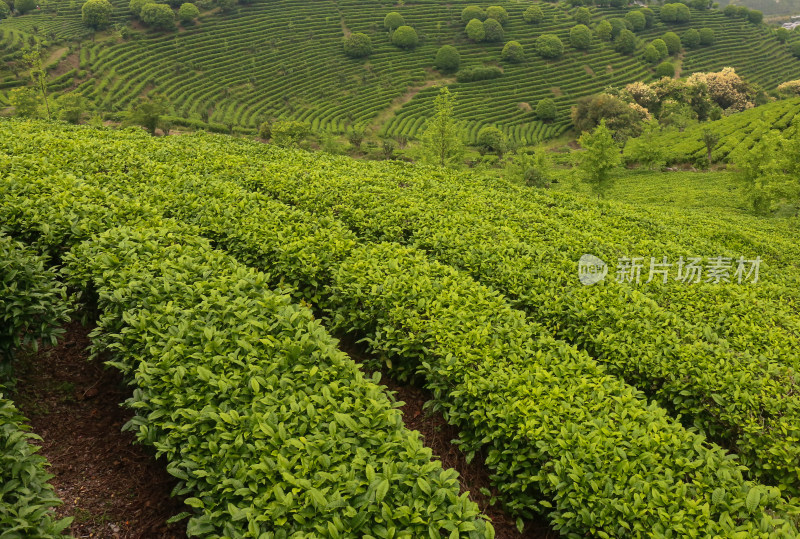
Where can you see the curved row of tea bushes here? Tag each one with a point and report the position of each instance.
(560, 433)
(272, 430)
(733, 392)
(32, 306)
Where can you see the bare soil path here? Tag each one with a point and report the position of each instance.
(112, 487)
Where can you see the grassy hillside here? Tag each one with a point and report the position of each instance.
(736, 133)
(284, 59)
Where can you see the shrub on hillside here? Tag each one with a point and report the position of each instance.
(691, 39)
(265, 130)
(475, 30)
(497, 13)
(625, 42)
(580, 37)
(791, 87)
(637, 20)
(583, 16)
(782, 35)
(707, 37)
(549, 46)
(618, 25)
(533, 15)
(289, 132)
(651, 54)
(357, 45)
(491, 139)
(24, 6)
(661, 46)
(625, 119)
(96, 14)
(649, 16)
(493, 31)
(472, 12)
(158, 16)
(546, 110)
(393, 20)
(513, 52)
(604, 30)
(448, 59)
(479, 73)
(673, 42)
(405, 37)
(4, 10)
(665, 69)
(755, 16)
(188, 12)
(795, 48)
(135, 7)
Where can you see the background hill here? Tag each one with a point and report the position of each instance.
(284, 59)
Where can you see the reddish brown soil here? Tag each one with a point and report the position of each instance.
(111, 486)
(437, 434)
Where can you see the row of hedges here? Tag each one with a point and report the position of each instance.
(560, 433)
(32, 306)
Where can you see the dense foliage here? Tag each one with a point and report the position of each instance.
(426, 318)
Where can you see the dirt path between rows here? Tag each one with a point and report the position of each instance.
(437, 435)
(112, 487)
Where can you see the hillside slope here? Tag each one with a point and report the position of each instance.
(284, 59)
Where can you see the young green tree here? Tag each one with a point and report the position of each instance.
(148, 111)
(599, 159)
(761, 171)
(710, 139)
(442, 142)
(25, 102)
(534, 170)
(645, 149)
(491, 139)
(4, 10)
(33, 59)
(71, 107)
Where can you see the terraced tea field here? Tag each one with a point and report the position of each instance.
(283, 59)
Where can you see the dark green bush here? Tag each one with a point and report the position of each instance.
(549, 46)
(479, 73)
(357, 45)
(513, 52)
(448, 59)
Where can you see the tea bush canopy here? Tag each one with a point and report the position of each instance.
(405, 37)
(357, 45)
(549, 46)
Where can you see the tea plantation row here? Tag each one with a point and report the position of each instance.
(32, 306)
(560, 433)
